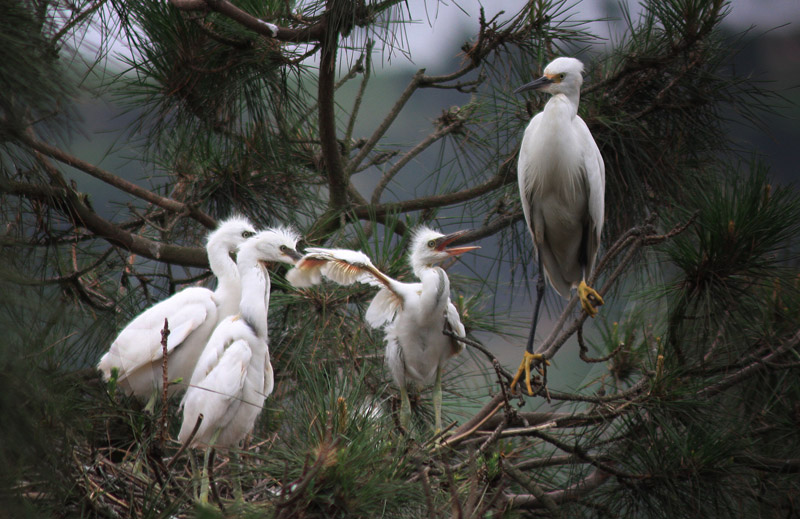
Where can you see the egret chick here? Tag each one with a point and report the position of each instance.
(234, 375)
(192, 314)
(561, 179)
(414, 315)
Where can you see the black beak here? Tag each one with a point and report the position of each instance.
(293, 254)
(536, 84)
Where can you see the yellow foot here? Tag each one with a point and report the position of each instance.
(590, 299)
(525, 367)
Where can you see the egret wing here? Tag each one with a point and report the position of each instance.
(526, 174)
(452, 323)
(139, 343)
(226, 332)
(383, 307)
(595, 181)
(340, 265)
(344, 267)
(217, 395)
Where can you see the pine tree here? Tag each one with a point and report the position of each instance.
(690, 408)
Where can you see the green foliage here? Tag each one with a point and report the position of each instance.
(701, 423)
(31, 77)
(736, 261)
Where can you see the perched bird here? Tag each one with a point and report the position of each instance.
(192, 314)
(414, 315)
(562, 187)
(233, 376)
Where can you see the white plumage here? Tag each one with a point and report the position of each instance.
(414, 315)
(561, 179)
(192, 314)
(234, 375)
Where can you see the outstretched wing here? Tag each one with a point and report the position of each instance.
(345, 267)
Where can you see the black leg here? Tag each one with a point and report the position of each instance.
(539, 296)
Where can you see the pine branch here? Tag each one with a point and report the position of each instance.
(116, 181)
(72, 205)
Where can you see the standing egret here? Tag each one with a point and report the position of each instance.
(562, 187)
(192, 314)
(414, 315)
(234, 376)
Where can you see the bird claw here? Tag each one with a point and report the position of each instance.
(525, 367)
(590, 299)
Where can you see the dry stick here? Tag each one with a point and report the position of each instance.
(486, 444)
(566, 459)
(559, 335)
(118, 182)
(578, 451)
(367, 63)
(186, 443)
(412, 86)
(476, 422)
(458, 513)
(165, 384)
(480, 347)
(426, 489)
(587, 484)
(634, 238)
(212, 480)
(532, 487)
(751, 369)
(584, 350)
(408, 156)
(72, 205)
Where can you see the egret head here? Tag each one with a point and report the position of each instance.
(231, 233)
(561, 76)
(272, 245)
(429, 247)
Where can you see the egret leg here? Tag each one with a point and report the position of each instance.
(590, 299)
(237, 482)
(150, 407)
(195, 473)
(437, 401)
(528, 357)
(204, 478)
(405, 407)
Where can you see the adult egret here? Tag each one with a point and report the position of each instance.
(234, 375)
(192, 314)
(562, 187)
(414, 315)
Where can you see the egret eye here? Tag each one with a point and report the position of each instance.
(247, 234)
(432, 244)
(284, 248)
(562, 75)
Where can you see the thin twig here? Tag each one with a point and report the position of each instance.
(165, 384)
(186, 443)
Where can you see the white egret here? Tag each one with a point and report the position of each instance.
(562, 187)
(234, 375)
(192, 314)
(414, 315)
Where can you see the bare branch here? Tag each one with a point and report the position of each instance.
(752, 368)
(116, 181)
(72, 205)
(405, 159)
(571, 493)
